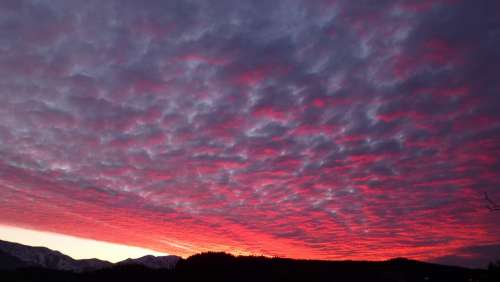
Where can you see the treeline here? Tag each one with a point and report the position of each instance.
(225, 267)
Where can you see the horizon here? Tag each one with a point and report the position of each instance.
(328, 129)
(81, 248)
(74, 247)
(111, 255)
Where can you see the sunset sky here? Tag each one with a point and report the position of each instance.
(318, 129)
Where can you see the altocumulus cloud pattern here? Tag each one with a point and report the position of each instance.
(306, 129)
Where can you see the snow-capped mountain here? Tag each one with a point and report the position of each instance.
(153, 262)
(17, 255)
(14, 255)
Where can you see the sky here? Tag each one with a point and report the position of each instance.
(306, 129)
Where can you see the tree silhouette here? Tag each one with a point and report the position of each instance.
(491, 205)
(494, 271)
(222, 267)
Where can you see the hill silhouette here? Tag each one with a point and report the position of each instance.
(225, 267)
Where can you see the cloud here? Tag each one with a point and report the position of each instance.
(472, 256)
(323, 129)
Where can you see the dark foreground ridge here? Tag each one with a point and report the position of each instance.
(225, 267)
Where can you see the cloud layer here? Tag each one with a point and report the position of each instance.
(316, 129)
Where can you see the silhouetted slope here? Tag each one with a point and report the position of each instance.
(49, 259)
(20, 255)
(168, 262)
(10, 262)
(226, 267)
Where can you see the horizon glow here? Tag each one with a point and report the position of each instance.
(326, 129)
(77, 248)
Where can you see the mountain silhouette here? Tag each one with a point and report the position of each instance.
(20, 255)
(154, 262)
(24, 263)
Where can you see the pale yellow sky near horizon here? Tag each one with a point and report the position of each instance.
(77, 248)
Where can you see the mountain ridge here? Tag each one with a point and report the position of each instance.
(218, 266)
(15, 255)
(153, 262)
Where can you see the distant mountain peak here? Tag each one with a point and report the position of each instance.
(28, 256)
(15, 255)
(215, 266)
(153, 262)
